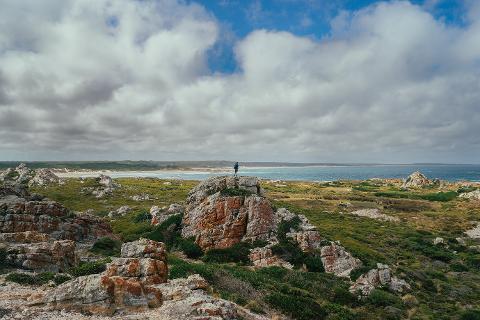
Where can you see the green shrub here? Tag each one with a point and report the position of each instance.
(190, 248)
(338, 312)
(237, 253)
(470, 315)
(314, 264)
(284, 227)
(274, 272)
(290, 252)
(142, 217)
(36, 279)
(381, 298)
(86, 268)
(295, 306)
(21, 278)
(235, 192)
(440, 196)
(61, 278)
(107, 247)
(168, 231)
(44, 277)
(3, 258)
(356, 273)
(343, 296)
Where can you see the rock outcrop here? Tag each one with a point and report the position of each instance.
(379, 277)
(24, 175)
(120, 212)
(264, 257)
(472, 195)
(223, 211)
(44, 177)
(416, 180)
(56, 256)
(338, 261)
(474, 233)
(127, 285)
(25, 212)
(187, 299)
(218, 218)
(107, 186)
(159, 215)
(374, 214)
(21, 174)
(39, 234)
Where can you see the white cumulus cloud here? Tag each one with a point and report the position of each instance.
(118, 79)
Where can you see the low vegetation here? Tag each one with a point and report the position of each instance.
(444, 278)
(86, 268)
(107, 247)
(37, 279)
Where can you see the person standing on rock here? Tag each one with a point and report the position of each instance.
(235, 167)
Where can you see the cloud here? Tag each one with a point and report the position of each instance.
(129, 79)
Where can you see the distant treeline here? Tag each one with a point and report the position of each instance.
(158, 165)
(144, 165)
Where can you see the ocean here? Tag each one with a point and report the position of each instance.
(316, 173)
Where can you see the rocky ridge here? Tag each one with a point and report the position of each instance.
(40, 234)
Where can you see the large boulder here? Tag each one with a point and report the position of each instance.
(127, 284)
(217, 219)
(338, 261)
(379, 277)
(416, 180)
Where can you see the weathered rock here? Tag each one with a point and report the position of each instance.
(159, 215)
(472, 195)
(438, 240)
(19, 214)
(120, 212)
(381, 276)
(415, 180)
(107, 186)
(127, 285)
(42, 256)
(141, 197)
(44, 177)
(221, 221)
(21, 174)
(308, 240)
(216, 184)
(474, 233)
(338, 261)
(374, 214)
(186, 299)
(24, 237)
(264, 257)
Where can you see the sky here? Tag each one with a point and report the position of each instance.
(247, 80)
